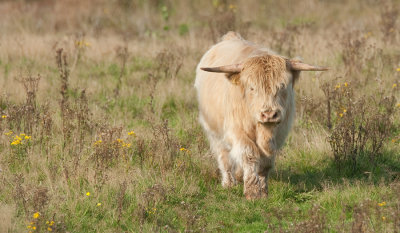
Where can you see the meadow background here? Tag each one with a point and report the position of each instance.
(99, 129)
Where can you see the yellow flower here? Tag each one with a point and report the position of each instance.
(120, 140)
(4, 116)
(341, 114)
(394, 85)
(131, 133)
(88, 194)
(82, 43)
(344, 110)
(398, 69)
(18, 138)
(49, 229)
(398, 105)
(182, 149)
(99, 204)
(22, 135)
(337, 86)
(27, 137)
(51, 223)
(34, 228)
(232, 7)
(126, 145)
(98, 142)
(16, 142)
(29, 227)
(346, 84)
(383, 218)
(9, 133)
(382, 204)
(36, 215)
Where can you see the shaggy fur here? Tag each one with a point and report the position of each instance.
(230, 106)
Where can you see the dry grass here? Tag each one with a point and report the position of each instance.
(99, 128)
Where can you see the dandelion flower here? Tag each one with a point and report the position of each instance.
(34, 228)
(99, 204)
(383, 218)
(4, 116)
(27, 137)
(36, 215)
(51, 223)
(382, 204)
(344, 110)
(394, 85)
(182, 149)
(88, 194)
(398, 69)
(49, 229)
(341, 114)
(346, 84)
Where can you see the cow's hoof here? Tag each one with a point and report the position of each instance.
(255, 193)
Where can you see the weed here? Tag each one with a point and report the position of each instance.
(359, 127)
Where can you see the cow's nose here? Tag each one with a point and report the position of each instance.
(271, 116)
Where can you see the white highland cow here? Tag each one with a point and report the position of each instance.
(246, 104)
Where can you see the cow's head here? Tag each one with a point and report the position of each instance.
(266, 82)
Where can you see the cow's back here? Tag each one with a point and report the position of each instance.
(216, 95)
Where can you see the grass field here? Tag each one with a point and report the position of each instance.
(99, 123)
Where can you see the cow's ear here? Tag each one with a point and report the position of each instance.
(234, 78)
(295, 76)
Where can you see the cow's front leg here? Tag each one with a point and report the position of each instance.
(247, 154)
(256, 171)
(254, 184)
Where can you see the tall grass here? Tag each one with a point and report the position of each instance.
(99, 129)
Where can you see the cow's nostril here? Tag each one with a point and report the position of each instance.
(271, 116)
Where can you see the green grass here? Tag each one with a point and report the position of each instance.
(153, 185)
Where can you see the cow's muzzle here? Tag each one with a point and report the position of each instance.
(271, 116)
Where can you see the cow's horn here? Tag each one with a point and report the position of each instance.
(300, 66)
(236, 68)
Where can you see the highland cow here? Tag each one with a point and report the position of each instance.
(246, 104)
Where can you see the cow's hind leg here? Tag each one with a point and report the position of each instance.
(225, 164)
